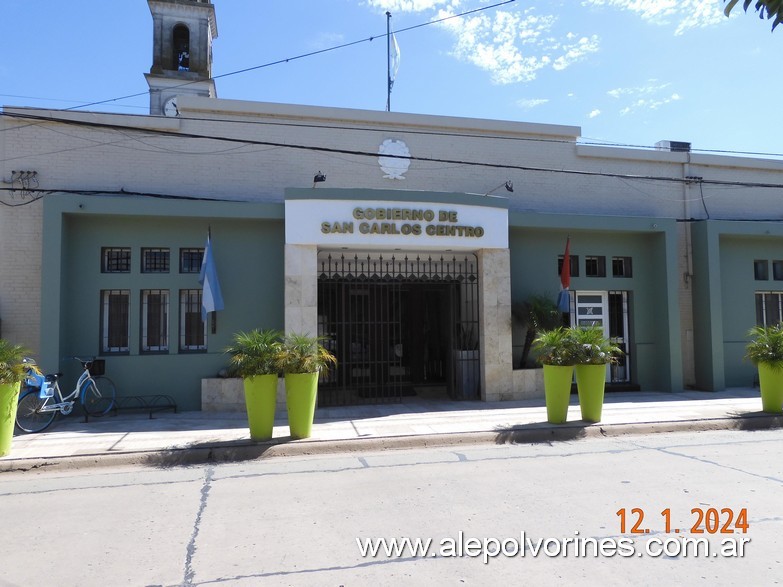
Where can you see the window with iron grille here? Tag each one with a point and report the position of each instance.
(154, 260)
(761, 270)
(595, 266)
(574, 265)
(769, 307)
(190, 260)
(192, 329)
(621, 267)
(115, 312)
(115, 259)
(154, 320)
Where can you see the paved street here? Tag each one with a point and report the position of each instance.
(296, 520)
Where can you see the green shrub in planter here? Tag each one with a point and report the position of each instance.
(592, 351)
(12, 372)
(254, 356)
(556, 352)
(765, 351)
(302, 359)
(555, 347)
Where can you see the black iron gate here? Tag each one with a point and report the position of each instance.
(397, 322)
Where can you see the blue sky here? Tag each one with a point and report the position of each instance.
(625, 71)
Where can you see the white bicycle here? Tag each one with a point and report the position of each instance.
(38, 407)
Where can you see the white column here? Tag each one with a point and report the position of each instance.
(301, 289)
(495, 320)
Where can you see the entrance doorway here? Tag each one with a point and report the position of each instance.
(399, 325)
(609, 310)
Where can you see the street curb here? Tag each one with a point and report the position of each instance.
(245, 450)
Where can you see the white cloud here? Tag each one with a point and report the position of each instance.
(495, 43)
(529, 103)
(648, 104)
(652, 87)
(514, 46)
(408, 5)
(594, 113)
(685, 14)
(650, 96)
(576, 52)
(511, 45)
(326, 40)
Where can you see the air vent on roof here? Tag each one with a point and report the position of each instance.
(677, 146)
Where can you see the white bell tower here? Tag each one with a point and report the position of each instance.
(183, 31)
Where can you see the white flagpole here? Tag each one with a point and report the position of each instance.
(388, 62)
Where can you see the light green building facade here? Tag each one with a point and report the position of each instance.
(406, 240)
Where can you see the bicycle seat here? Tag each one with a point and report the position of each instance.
(52, 377)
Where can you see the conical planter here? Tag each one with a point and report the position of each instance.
(301, 390)
(590, 383)
(557, 390)
(260, 400)
(9, 396)
(771, 385)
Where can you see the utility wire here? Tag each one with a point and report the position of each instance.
(585, 141)
(102, 193)
(303, 55)
(580, 141)
(165, 133)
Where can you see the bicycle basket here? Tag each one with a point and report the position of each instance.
(47, 390)
(98, 367)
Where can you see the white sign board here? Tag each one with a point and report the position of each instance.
(384, 224)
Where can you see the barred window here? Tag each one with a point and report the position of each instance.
(777, 270)
(761, 270)
(115, 260)
(154, 320)
(154, 260)
(769, 308)
(621, 267)
(595, 266)
(115, 310)
(192, 329)
(190, 260)
(574, 265)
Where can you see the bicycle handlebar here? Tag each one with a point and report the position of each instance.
(85, 361)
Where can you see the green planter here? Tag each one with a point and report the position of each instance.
(9, 396)
(300, 393)
(260, 399)
(590, 383)
(771, 385)
(557, 389)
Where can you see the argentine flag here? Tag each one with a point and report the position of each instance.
(211, 298)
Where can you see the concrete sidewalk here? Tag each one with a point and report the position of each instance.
(170, 439)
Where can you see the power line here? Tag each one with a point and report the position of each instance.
(303, 55)
(585, 140)
(354, 152)
(596, 143)
(492, 136)
(102, 193)
(580, 141)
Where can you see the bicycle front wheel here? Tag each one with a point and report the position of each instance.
(98, 396)
(29, 417)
